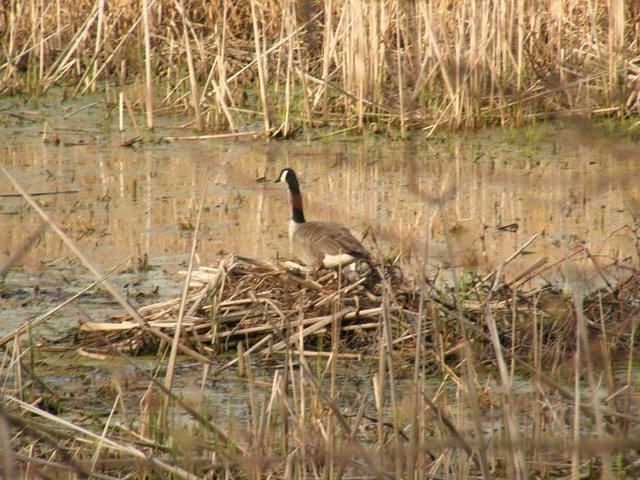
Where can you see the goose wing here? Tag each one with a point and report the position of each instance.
(328, 238)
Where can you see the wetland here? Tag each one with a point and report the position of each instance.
(153, 323)
(455, 207)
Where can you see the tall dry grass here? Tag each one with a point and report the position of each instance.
(285, 64)
(465, 386)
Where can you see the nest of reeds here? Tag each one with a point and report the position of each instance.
(266, 307)
(248, 304)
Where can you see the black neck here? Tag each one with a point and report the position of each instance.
(296, 200)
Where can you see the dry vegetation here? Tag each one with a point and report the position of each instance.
(314, 417)
(390, 373)
(277, 66)
(461, 379)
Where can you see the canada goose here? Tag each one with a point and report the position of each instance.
(319, 244)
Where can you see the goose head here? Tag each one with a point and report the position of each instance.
(289, 176)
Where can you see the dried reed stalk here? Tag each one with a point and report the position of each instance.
(433, 65)
(193, 82)
(173, 353)
(148, 87)
(260, 62)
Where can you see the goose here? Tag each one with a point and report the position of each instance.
(319, 244)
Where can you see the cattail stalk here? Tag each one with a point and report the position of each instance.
(262, 74)
(148, 89)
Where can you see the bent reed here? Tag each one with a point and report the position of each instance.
(291, 64)
(332, 379)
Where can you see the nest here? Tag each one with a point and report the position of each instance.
(245, 303)
(261, 308)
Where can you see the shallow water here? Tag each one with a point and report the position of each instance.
(572, 185)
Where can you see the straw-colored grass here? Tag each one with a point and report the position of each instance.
(317, 416)
(351, 63)
(270, 307)
(386, 373)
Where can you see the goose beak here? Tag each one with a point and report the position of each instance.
(277, 180)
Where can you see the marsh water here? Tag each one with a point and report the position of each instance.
(469, 200)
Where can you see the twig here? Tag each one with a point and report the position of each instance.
(168, 381)
(38, 194)
(220, 136)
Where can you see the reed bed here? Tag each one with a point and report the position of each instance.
(487, 380)
(286, 65)
(246, 303)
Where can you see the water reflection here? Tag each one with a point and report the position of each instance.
(493, 189)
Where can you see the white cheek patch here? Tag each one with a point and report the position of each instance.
(333, 261)
(283, 176)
